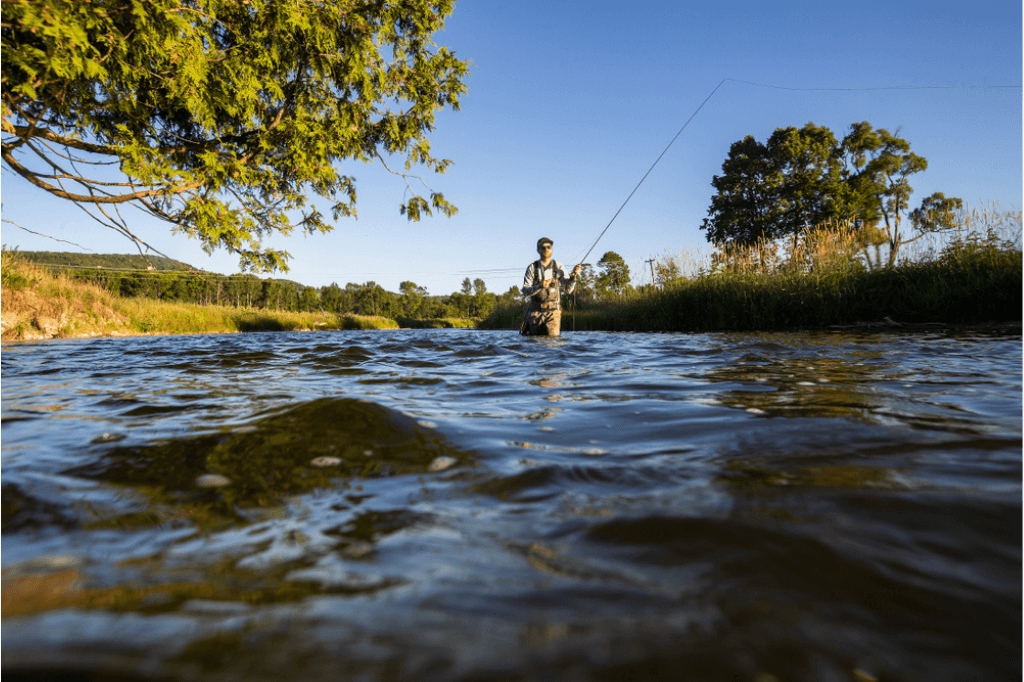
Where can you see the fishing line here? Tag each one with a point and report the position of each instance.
(884, 87)
(581, 260)
(776, 87)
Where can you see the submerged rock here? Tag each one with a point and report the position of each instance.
(108, 438)
(289, 451)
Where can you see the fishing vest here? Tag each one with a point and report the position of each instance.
(545, 299)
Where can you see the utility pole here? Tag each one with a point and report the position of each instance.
(651, 261)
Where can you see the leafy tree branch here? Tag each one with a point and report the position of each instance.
(223, 117)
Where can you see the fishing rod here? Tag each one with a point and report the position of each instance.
(581, 261)
(696, 111)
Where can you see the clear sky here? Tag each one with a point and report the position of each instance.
(570, 103)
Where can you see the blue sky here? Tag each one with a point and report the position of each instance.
(570, 103)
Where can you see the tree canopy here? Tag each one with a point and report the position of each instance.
(770, 189)
(614, 277)
(806, 177)
(222, 117)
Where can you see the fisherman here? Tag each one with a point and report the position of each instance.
(541, 284)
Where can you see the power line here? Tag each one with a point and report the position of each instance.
(883, 87)
(507, 273)
(108, 273)
(40, 234)
(487, 272)
(100, 269)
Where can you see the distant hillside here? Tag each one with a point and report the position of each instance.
(107, 261)
(129, 276)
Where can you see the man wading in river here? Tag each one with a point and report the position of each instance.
(541, 283)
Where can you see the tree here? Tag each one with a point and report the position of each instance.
(433, 307)
(666, 272)
(511, 297)
(372, 299)
(458, 304)
(744, 208)
(812, 190)
(221, 116)
(483, 301)
(881, 188)
(275, 294)
(334, 299)
(614, 277)
(936, 213)
(309, 299)
(804, 177)
(242, 290)
(586, 284)
(769, 190)
(412, 297)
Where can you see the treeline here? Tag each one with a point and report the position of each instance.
(129, 276)
(112, 261)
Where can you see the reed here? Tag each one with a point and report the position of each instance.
(504, 317)
(437, 323)
(821, 278)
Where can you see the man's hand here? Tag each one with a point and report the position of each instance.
(576, 270)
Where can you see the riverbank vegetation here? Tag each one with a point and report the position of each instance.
(829, 276)
(833, 275)
(166, 280)
(39, 303)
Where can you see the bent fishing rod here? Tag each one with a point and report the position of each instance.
(663, 152)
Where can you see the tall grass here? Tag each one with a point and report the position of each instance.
(969, 274)
(37, 303)
(436, 323)
(158, 317)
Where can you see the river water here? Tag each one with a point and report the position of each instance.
(475, 505)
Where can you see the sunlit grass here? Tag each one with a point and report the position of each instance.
(970, 274)
(40, 304)
(822, 278)
(37, 303)
(437, 323)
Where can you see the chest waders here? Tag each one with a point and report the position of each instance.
(539, 272)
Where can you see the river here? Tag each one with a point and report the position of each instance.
(475, 505)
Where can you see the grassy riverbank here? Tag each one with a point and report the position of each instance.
(38, 304)
(818, 280)
(819, 283)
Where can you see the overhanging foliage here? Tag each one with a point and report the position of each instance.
(222, 117)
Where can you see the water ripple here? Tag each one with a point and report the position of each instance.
(455, 504)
